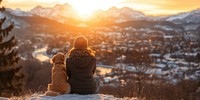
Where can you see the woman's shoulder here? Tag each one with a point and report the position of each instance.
(81, 53)
(67, 59)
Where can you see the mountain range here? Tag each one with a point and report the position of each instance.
(63, 18)
(65, 13)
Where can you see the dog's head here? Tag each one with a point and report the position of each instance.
(60, 57)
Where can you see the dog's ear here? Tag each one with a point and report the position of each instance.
(53, 60)
(63, 57)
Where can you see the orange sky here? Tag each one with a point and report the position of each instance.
(149, 7)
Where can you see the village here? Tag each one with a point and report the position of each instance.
(173, 56)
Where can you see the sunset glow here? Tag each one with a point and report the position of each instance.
(86, 7)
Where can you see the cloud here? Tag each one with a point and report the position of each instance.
(168, 4)
(146, 6)
(162, 6)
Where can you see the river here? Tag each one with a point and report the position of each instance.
(41, 55)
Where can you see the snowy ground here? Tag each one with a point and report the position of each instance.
(41, 55)
(72, 97)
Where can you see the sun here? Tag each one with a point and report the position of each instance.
(85, 8)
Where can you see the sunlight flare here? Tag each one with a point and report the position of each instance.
(85, 8)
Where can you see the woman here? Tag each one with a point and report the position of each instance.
(81, 66)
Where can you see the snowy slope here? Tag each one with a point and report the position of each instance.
(125, 12)
(189, 20)
(187, 17)
(77, 97)
(120, 15)
(69, 97)
(58, 12)
(19, 12)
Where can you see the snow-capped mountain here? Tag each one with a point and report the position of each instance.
(119, 15)
(58, 12)
(12, 17)
(190, 20)
(19, 12)
(61, 12)
(58, 15)
(123, 17)
(187, 17)
(27, 24)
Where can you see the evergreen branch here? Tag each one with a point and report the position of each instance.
(2, 9)
(2, 21)
(11, 78)
(5, 32)
(6, 77)
(8, 44)
(1, 38)
(9, 59)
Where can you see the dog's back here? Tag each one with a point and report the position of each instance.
(59, 77)
(59, 74)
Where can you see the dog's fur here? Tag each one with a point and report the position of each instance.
(59, 84)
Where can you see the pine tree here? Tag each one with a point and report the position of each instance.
(11, 76)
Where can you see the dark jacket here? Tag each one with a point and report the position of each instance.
(80, 70)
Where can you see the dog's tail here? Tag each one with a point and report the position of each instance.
(51, 93)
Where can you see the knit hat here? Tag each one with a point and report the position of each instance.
(80, 42)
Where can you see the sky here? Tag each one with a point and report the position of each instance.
(149, 7)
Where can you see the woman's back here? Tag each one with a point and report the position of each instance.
(81, 66)
(80, 72)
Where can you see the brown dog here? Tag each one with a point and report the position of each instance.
(59, 77)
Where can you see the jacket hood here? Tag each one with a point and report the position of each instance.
(81, 58)
(82, 62)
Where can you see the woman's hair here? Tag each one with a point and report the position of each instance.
(80, 46)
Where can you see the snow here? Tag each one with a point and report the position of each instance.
(104, 70)
(155, 55)
(154, 71)
(160, 65)
(191, 54)
(188, 17)
(58, 12)
(167, 56)
(1, 15)
(181, 16)
(104, 66)
(131, 68)
(2, 98)
(168, 28)
(108, 79)
(19, 12)
(61, 12)
(37, 96)
(168, 36)
(41, 55)
(77, 97)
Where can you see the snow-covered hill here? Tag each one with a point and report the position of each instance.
(190, 20)
(19, 12)
(27, 24)
(70, 97)
(192, 16)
